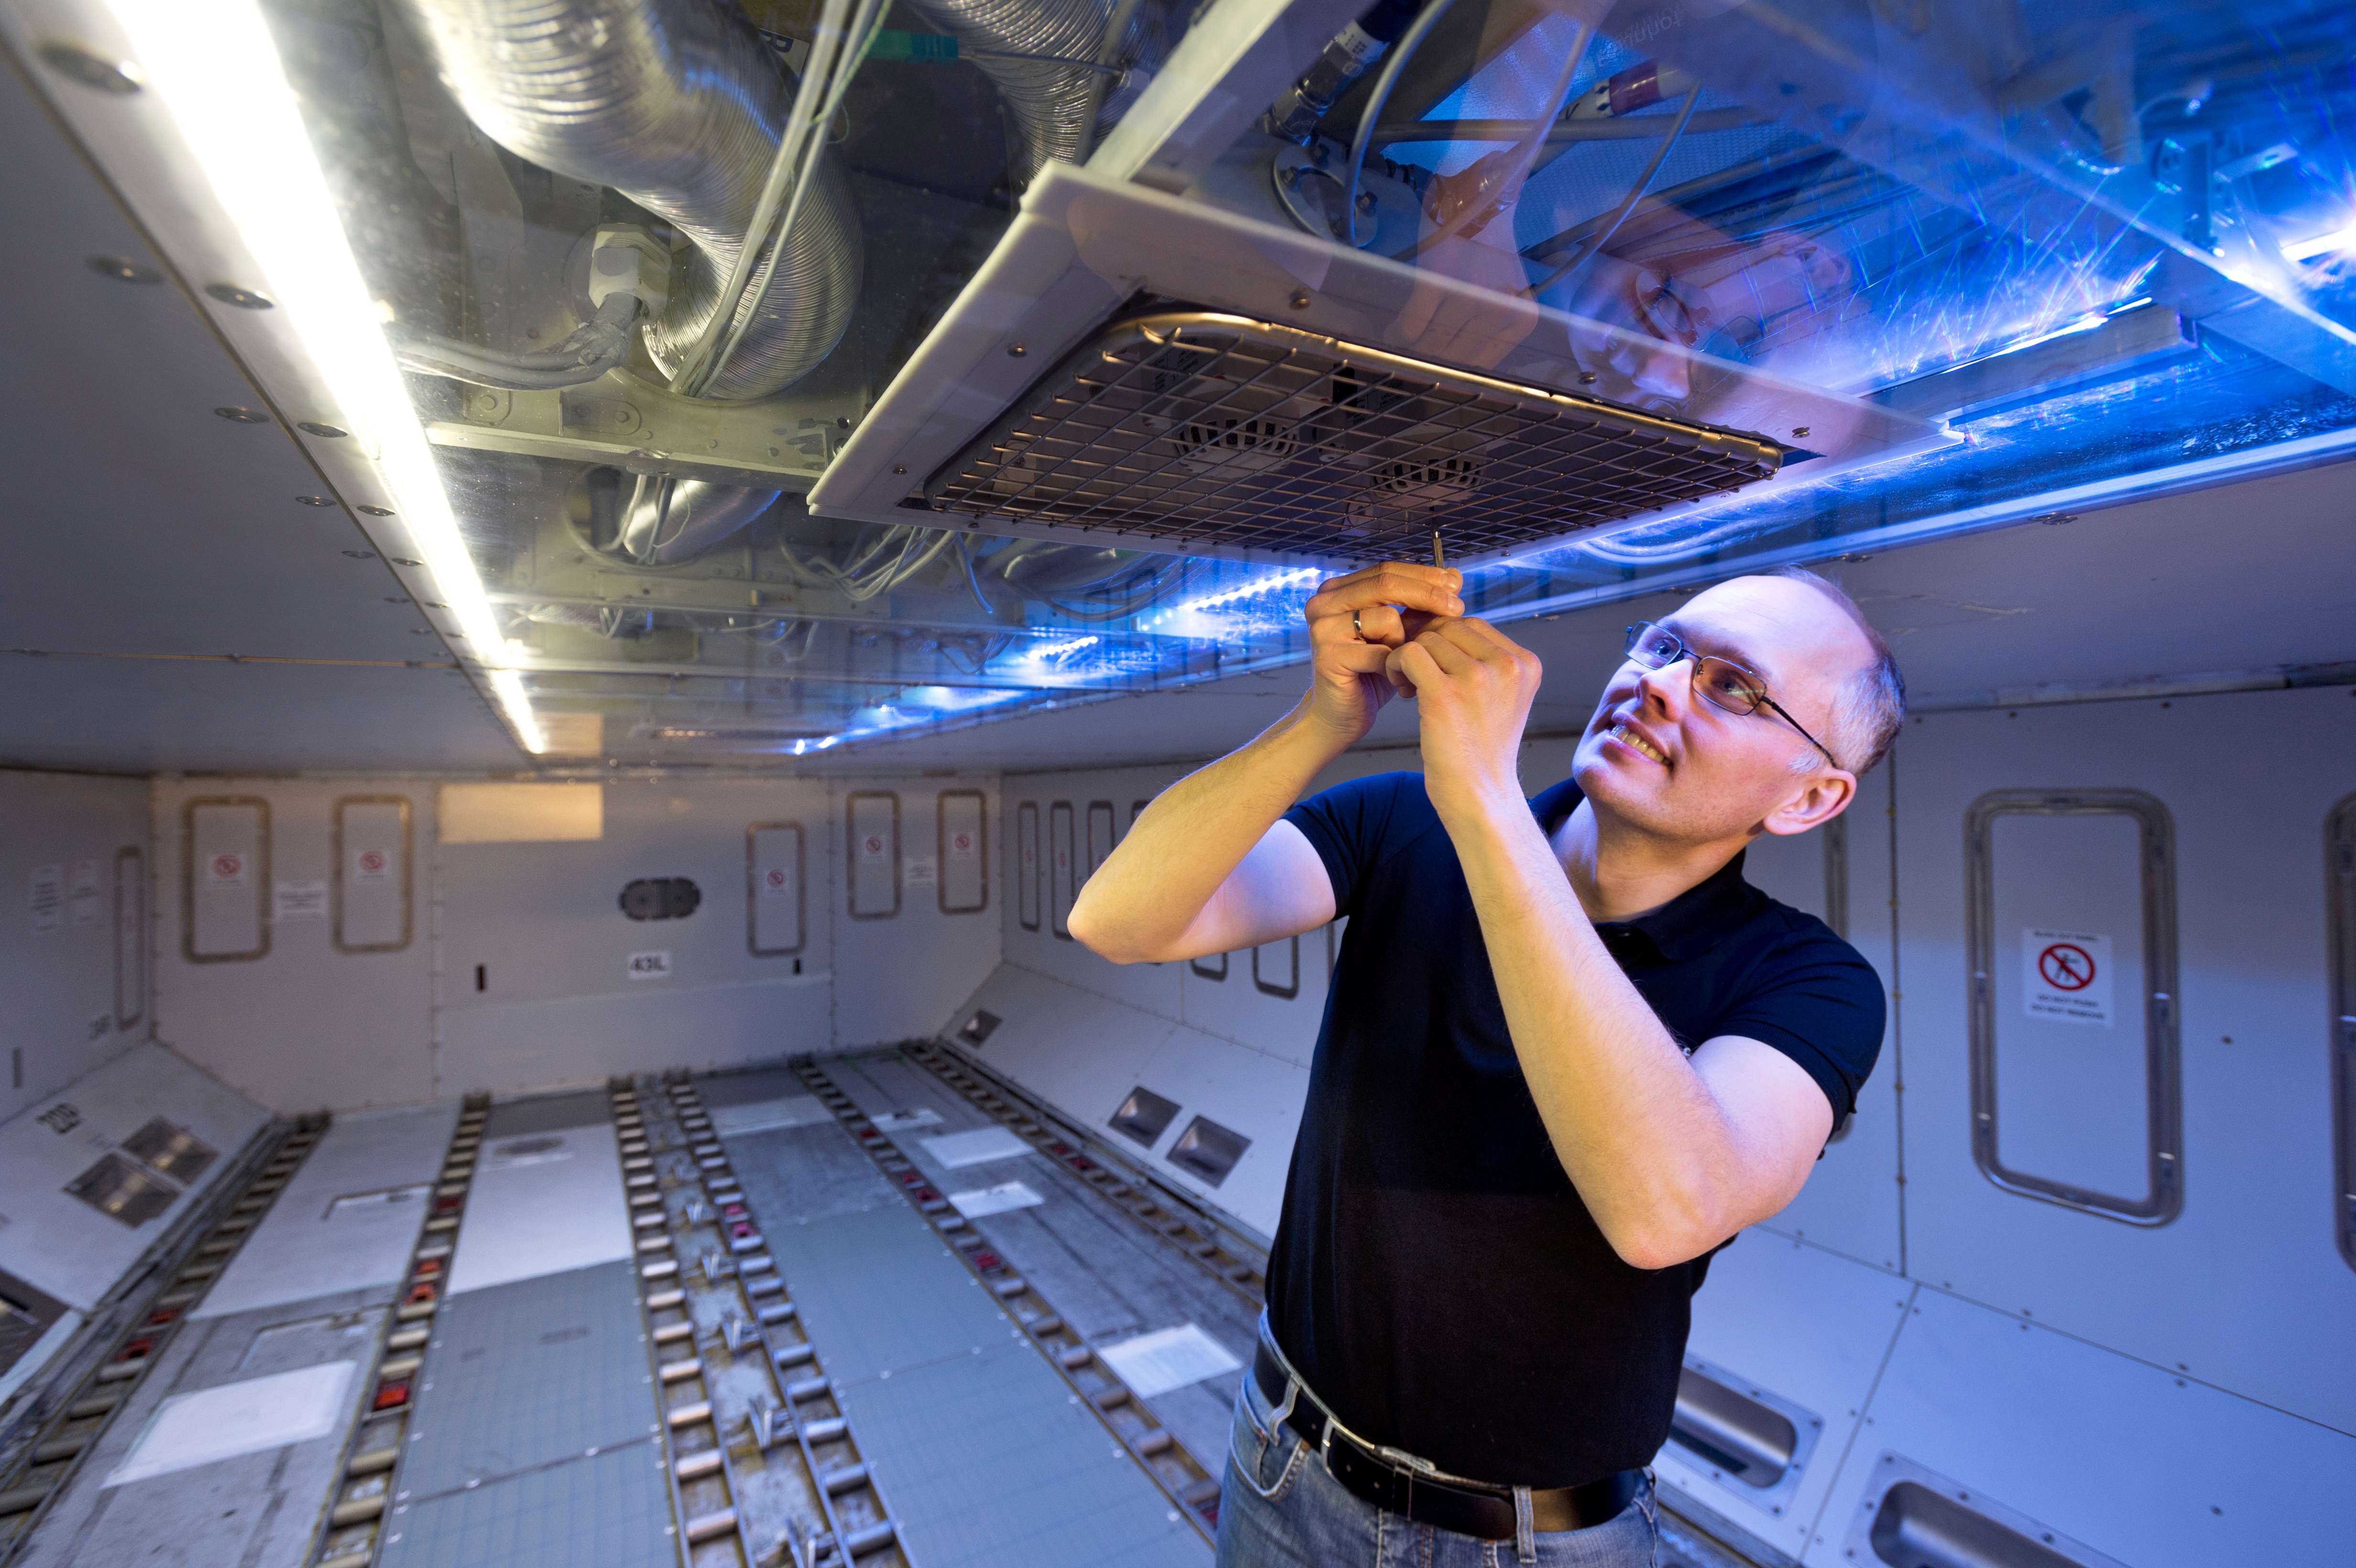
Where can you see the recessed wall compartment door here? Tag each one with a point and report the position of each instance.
(773, 877)
(1060, 869)
(2340, 852)
(372, 876)
(2075, 1089)
(872, 830)
(964, 850)
(130, 937)
(225, 878)
(1026, 864)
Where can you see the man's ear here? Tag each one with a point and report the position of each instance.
(1823, 797)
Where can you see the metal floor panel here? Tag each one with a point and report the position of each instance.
(990, 1463)
(609, 1509)
(254, 1511)
(526, 1374)
(310, 1245)
(546, 1113)
(805, 1174)
(879, 1293)
(724, 1089)
(543, 1202)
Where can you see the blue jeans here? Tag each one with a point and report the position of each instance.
(1280, 1508)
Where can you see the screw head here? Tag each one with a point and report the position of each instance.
(362, 554)
(242, 416)
(316, 500)
(378, 511)
(403, 561)
(1586, 378)
(244, 299)
(78, 64)
(123, 270)
(1300, 300)
(313, 427)
(1366, 201)
(1016, 351)
(899, 468)
(1799, 429)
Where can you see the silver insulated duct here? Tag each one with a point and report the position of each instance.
(1023, 47)
(679, 105)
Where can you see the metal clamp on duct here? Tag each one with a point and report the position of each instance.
(627, 270)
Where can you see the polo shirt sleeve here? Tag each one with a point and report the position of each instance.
(1347, 825)
(1819, 1003)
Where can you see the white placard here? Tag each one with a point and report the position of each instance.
(46, 906)
(1155, 1363)
(649, 965)
(2066, 976)
(300, 900)
(998, 1199)
(923, 870)
(85, 903)
(192, 1429)
(958, 1150)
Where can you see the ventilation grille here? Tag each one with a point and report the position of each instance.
(1217, 432)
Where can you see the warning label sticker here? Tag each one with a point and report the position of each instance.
(226, 870)
(86, 905)
(48, 906)
(871, 846)
(961, 845)
(2066, 976)
(372, 866)
(776, 882)
(923, 870)
(300, 900)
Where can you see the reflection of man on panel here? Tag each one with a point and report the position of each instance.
(1568, 1051)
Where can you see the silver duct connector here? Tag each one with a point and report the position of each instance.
(1041, 54)
(679, 105)
(682, 520)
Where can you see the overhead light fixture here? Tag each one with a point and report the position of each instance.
(217, 69)
(2341, 239)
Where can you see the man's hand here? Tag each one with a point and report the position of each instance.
(1356, 623)
(1474, 685)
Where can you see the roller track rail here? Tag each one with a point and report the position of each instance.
(1238, 1261)
(764, 1467)
(135, 1329)
(1192, 1488)
(354, 1523)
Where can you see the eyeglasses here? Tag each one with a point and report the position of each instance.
(1723, 682)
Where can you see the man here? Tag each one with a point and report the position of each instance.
(1567, 1054)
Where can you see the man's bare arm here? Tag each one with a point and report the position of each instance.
(1207, 867)
(1671, 1156)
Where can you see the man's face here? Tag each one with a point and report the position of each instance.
(1664, 759)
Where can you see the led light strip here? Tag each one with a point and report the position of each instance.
(216, 67)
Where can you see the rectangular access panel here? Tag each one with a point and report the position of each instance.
(872, 836)
(1026, 864)
(964, 850)
(1101, 835)
(2076, 1097)
(1060, 885)
(224, 879)
(2339, 849)
(130, 936)
(774, 889)
(374, 880)
(1211, 965)
(1276, 967)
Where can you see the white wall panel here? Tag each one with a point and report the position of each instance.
(63, 1245)
(2245, 1288)
(1152, 987)
(73, 942)
(1854, 1199)
(225, 878)
(1245, 1091)
(305, 1026)
(1235, 1007)
(1809, 1327)
(1078, 1050)
(2153, 1469)
(563, 1041)
(900, 976)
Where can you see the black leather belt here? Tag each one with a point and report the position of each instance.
(1464, 1509)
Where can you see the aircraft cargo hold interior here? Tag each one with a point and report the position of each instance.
(1038, 784)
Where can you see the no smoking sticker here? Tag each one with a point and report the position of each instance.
(370, 865)
(226, 870)
(2066, 976)
(870, 847)
(961, 846)
(776, 883)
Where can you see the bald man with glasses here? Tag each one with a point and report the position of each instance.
(1567, 1052)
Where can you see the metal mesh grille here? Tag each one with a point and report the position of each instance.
(1221, 431)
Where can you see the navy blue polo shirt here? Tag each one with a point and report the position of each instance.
(1436, 1277)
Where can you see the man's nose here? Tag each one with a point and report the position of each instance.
(1669, 688)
